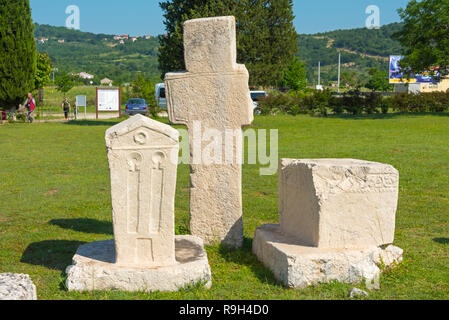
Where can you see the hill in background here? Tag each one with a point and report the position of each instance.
(361, 49)
(98, 54)
(102, 56)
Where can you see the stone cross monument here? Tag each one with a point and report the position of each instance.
(212, 95)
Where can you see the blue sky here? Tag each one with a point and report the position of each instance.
(139, 17)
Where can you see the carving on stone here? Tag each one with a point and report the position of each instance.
(141, 137)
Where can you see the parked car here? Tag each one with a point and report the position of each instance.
(161, 98)
(257, 96)
(136, 106)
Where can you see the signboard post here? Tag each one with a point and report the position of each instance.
(398, 76)
(81, 101)
(108, 100)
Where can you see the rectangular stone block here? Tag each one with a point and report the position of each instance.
(338, 203)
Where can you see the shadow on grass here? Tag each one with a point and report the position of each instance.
(90, 123)
(52, 254)
(246, 258)
(442, 240)
(84, 225)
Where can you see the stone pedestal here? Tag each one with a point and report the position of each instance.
(17, 287)
(337, 222)
(298, 266)
(94, 268)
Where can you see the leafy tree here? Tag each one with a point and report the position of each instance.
(64, 84)
(143, 88)
(17, 52)
(266, 37)
(295, 75)
(351, 78)
(43, 70)
(176, 12)
(425, 35)
(378, 80)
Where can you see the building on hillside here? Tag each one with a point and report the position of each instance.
(61, 41)
(122, 37)
(134, 39)
(442, 86)
(85, 75)
(42, 40)
(106, 82)
(148, 37)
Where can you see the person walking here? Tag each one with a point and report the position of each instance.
(66, 108)
(30, 105)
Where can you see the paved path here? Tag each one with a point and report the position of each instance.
(88, 116)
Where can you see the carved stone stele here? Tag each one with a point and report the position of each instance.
(145, 254)
(143, 185)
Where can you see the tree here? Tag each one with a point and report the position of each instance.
(176, 12)
(351, 78)
(65, 83)
(43, 70)
(378, 80)
(143, 88)
(425, 36)
(295, 75)
(17, 52)
(266, 38)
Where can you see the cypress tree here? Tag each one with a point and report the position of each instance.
(282, 42)
(17, 52)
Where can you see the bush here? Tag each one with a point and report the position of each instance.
(319, 102)
(353, 102)
(20, 117)
(285, 103)
(373, 101)
(421, 102)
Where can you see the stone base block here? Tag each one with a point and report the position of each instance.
(298, 266)
(17, 287)
(94, 269)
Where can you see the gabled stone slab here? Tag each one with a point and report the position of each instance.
(145, 255)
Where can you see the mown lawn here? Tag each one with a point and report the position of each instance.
(54, 184)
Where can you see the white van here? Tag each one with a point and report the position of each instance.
(161, 97)
(256, 96)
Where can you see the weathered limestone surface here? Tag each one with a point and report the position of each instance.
(143, 185)
(94, 269)
(212, 94)
(146, 255)
(338, 203)
(17, 287)
(298, 266)
(337, 222)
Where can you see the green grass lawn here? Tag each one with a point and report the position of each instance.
(55, 196)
